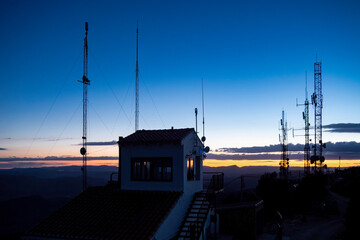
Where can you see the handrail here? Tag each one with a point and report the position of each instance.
(216, 185)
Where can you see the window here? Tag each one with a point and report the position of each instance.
(193, 168)
(151, 169)
(190, 169)
(197, 167)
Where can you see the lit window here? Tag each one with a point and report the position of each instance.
(190, 169)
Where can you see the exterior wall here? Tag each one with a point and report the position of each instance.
(179, 155)
(189, 143)
(139, 151)
(169, 228)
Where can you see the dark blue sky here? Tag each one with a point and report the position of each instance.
(252, 56)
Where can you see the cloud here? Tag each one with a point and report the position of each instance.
(261, 149)
(101, 143)
(343, 127)
(343, 147)
(3, 149)
(243, 156)
(54, 139)
(347, 150)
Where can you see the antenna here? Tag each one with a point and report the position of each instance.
(137, 81)
(306, 91)
(203, 110)
(85, 81)
(317, 100)
(203, 139)
(284, 162)
(196, 113)
(305, 116)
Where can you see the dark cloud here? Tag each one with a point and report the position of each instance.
(343, 147)
(343, 127)
(339, 147)
(347, 150)
(101, 143)
(3, 149)
(261, 149)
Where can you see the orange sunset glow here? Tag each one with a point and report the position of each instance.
(275, 163)
(208, 162)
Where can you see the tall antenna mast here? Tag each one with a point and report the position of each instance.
(85, 81)
(137, 82)
(203, 138)
(203, 110)
(284, 162)
(307, 127)
(196, 126)
(317, 100)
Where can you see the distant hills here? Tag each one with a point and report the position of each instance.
(28, 195)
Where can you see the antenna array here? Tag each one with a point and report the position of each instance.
(317, 100)
(307, 127)
(284, 162)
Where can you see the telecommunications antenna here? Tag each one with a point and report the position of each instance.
(85, 81)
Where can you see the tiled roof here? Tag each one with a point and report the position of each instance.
(107, 213)
(174, 136)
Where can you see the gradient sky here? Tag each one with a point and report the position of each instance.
(252, 56)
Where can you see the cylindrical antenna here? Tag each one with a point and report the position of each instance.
(306, 92)
(203, 109)
(196, 126)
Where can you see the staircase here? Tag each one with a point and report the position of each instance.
(194, 221)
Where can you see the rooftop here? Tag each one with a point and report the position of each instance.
(173, 136)
(106, 213)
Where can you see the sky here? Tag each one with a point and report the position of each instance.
(253, 58)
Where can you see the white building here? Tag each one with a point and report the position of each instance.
(161, 160)
(159, 194)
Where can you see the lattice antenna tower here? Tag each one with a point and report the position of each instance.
(317, 100)
(137, 82)
(307, 128)
(85, 81)
(284, 162)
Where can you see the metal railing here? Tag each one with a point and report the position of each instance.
(213, 181)
(113, 182)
